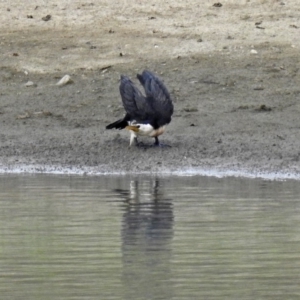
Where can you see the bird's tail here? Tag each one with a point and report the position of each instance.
(120, 124)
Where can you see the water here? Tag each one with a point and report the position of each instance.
(64, 237)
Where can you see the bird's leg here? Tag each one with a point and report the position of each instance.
(158, 144)
(133, 139)
(136, 141)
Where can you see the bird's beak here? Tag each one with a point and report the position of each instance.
(133, 128)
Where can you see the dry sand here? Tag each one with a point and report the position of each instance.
(233, 72)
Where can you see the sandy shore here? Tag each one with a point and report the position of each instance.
(233, 72)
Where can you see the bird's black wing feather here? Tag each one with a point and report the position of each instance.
(158, 97)
(134, 102)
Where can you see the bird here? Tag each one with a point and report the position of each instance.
(145, 115)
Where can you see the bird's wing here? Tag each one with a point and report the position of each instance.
(135, 104)
(157, 96)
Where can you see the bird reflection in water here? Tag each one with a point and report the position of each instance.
(147, 232)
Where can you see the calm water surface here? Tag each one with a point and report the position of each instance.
(64, 237)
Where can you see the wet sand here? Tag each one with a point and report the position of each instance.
(233, 72)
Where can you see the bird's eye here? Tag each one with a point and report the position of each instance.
(138, 126)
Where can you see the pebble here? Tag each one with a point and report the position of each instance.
(218, 4)
(65, 80)
(258, 88)
(253, 51)
(46, 18)
(29, 83)
(190, 109)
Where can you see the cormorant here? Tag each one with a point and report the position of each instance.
(145, 115)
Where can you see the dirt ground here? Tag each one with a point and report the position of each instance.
(232, 69)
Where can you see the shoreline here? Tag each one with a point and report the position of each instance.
(203, 172)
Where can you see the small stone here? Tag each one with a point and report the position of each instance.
(218, 4)
(29, 83)
(25, 116)
(46, 18)
(105, 69)
(263, 107)
(253, 51)
(65, 80)
(190, 109)
(258, 88)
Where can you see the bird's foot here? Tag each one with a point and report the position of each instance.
(161, 145)
(158, 144)
(138, 144)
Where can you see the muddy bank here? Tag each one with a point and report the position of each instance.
(236, 88)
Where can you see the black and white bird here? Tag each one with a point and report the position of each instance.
(145, 115)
